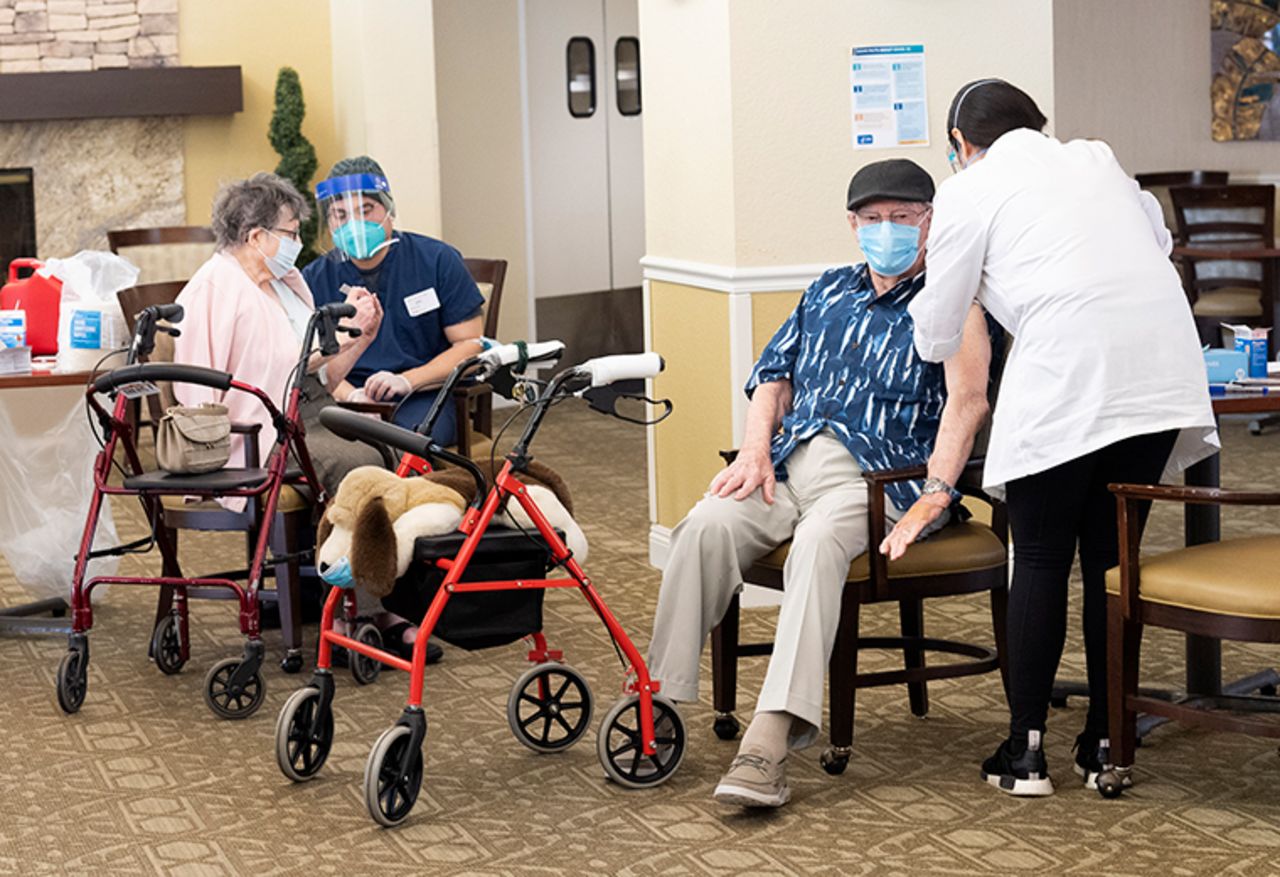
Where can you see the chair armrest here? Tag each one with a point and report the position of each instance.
(1195, 495)
(252, 453)
(384, 410)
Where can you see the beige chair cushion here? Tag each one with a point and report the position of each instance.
(290, 501)
(1235, 577)
(954, 549)
(1228, 302)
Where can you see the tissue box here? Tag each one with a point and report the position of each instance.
(13, 329)
(1226, 365)
(1253, 342)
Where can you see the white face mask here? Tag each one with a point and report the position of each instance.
(285, 258)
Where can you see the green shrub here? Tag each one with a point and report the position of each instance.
(297, 155)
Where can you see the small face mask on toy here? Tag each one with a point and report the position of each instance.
(338, 574)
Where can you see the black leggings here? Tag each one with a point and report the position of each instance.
(1049, 512)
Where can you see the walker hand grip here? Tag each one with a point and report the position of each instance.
(173, 313)
(338, 309)
(624, 367)
(162, 371)
(537, 351)
(356, 427)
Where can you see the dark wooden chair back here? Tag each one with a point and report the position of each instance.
(491, 273)
(150, 237)
(1225, 215)
(144, 295)
(1168, 179)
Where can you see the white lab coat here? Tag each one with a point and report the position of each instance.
(1072, 258)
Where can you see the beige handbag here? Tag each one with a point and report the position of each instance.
(194, 440)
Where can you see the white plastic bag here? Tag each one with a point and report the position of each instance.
(46, 482)
(90, 322)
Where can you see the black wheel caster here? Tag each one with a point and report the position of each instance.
(549, 708)
(304, 736)
(620, 743)
(366, 670)
(727, 726)
(166, 646)
(1111, 783)
(392, 776)
(73, 681)
(229, 699)
(1267, 691)
(292, 661)
(834, 760)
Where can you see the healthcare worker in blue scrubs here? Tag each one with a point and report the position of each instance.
(432, 310)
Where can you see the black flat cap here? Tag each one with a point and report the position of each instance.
(895, 179)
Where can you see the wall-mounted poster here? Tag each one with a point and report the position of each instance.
(1245, 38)
(888, 88)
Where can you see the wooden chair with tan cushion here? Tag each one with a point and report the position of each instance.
(962, 558)
(1226, 217)
(1225, 590)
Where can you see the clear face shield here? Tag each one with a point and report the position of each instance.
(355, 213)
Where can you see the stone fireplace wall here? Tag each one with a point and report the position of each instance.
(59, 35)
(93, 175)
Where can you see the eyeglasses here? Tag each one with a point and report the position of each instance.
(898, 217)
(295, 233)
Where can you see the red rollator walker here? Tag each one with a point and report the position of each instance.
(641, 739)
(233, 687)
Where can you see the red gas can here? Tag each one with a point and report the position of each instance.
(39, 297)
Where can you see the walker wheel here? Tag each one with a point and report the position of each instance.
(727, 726)
(833, 761)
(1110, 784)
(166, 646)
(365, 670)
(302, 739)
(390, 792)
(550, 707)
(292, 661)
(232, 701)
(73, 681)
(621, 749)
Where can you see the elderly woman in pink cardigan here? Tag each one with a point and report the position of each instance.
(246, 311)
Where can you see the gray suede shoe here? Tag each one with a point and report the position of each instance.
(754, 780)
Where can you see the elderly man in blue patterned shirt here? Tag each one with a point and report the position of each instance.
(838, 391)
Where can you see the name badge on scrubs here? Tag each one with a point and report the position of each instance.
(421, 302)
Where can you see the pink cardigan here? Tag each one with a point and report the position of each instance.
(233, 326)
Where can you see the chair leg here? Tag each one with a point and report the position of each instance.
(1124, 647)
(911, 614)
(842, 671)
(724, 672)
(288, 575)
(1000, 629)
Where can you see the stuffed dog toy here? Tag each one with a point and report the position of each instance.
(367, 533)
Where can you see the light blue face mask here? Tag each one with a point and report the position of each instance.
(359, 238)
(286, 256)
(339, 574)
(890, 248)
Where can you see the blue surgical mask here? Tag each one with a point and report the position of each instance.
(339, 574)
(958, 164)
(890, 248)
(359, 238)
(286, 256)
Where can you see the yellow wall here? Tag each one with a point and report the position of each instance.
(768, 311)
(690, 330)
(260, 37)
(481, 161)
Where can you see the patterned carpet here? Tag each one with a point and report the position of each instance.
(145, 780)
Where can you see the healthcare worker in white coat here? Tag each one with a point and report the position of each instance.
(1104, 381)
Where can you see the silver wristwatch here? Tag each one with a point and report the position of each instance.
(937, 485)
